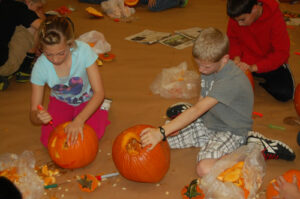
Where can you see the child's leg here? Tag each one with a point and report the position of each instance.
(194, 135)
(61, 112)
(220, 144)
(279, 83)
(98, 121)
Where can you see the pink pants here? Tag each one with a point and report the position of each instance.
(62, 112)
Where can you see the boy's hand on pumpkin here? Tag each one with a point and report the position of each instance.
(72, 130)
(150, 136)
(43, 116)
(285, 189)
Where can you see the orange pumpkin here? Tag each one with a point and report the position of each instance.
(297, 99)
(131, 3)
(250, 77)
(88, 183)
(106, 56)
(136, 163)
(192, 191)
(288, 176)
(77, 155)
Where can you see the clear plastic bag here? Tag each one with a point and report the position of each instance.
(177, 82)
(98, 40)
(116, 9)
(252, 172)
(29, 183)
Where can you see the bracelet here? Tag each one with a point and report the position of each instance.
(163, 132)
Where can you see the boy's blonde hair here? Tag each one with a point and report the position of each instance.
(56, 29)
(211, 45)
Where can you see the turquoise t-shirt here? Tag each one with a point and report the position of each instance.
(73, 89)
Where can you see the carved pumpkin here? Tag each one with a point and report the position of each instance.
(192, 191)
(88, 183)
(297, 99)
(94, 12)
(250, 77)
(234, 175)
(136, 163)
(288, 176)
(77, 155)
(131, 3)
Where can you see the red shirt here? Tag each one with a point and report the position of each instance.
(265, 42)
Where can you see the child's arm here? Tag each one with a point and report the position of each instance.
(76, 126)
(287, 190)
(38, 116)
(152, 136)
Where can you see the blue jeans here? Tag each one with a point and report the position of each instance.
(162, 4)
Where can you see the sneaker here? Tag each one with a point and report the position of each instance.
(183, 3)
(3, 83)
(22, 77)
(176, 109)
(271, 149)
(106, 104)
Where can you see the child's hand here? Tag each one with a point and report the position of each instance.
(243, 66)
(286, 190)
(72, 130)
(151, 3)
(43, 116)
(151, 136)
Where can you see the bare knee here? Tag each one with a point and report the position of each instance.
(204, 166)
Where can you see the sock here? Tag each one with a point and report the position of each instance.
(26, 66)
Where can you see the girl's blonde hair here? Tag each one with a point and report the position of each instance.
(211, 45)
(56, 29)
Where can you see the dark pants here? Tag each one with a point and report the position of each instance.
(162, 4)
(279, 83)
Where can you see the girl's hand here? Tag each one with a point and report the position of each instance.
(72, 130)
(286, 190)
(151, 136)
(43, 116)
(151, 3)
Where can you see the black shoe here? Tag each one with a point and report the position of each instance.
(22, 77)
(3, 83)
(174, 110)
(271, 149)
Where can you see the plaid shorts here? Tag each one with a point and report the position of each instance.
(214, 144)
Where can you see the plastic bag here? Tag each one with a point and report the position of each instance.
(177, 82)
(29, 183)
(252, 172)
(117, 9)
(98, 40)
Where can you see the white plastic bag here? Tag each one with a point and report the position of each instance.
(97, 38)
(177, 82)
(117, 9)
(29, 183)
(252, 172)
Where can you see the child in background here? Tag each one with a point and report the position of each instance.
(160, 5)
(19, 21)
(260, 43)
(219, 122)
(68, 67)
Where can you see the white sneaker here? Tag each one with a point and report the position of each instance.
(106, 104)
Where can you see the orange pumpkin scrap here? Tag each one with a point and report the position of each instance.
(297, 99)
(131, 3)
(73, 156)
(192, 191)
(250, 77)
(88, 183)
(288, 176)
(137, 163)
(94, 12)
(106, 56)
(234, 175)
(11, 174)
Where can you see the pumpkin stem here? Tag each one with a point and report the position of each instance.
(192, 189)
(85, 182)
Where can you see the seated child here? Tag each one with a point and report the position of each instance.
(69, 68)
(160, 5)
(219, 122)
(259, 42)
(19, 21)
